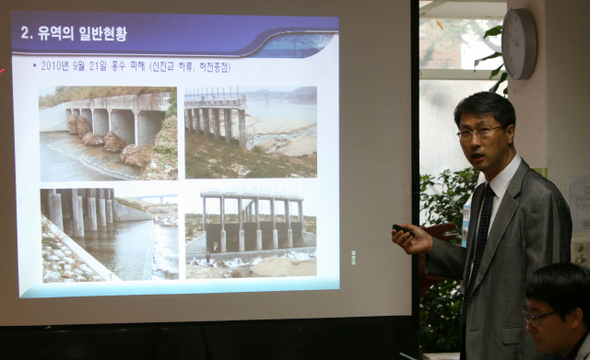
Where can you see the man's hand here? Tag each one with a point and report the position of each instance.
(420, 243)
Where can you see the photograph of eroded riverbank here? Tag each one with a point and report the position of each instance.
(251, 132)
(91, 235)
(108, 133)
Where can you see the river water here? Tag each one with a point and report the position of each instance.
(57, 166)
(165, 260)
(125, 247)
(282, 109)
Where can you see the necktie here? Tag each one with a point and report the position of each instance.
(482, 237)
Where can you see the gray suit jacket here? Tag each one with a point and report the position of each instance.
(532, 229)
(584, 352)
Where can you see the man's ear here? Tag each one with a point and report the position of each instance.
(576, 318)
(510, 132)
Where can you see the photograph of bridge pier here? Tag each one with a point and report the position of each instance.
(249, 233)
(94, 133)
(250, 132)
(106, 234)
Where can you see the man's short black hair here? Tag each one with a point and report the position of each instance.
(563, 286)
(487, 103)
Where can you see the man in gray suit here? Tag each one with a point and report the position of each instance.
(524, 224)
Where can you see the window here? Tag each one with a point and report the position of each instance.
(451, 40)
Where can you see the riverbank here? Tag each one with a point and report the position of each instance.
(159, 160)
(282, 136)
(275, 148)
(95, 158)
(267, 267)
(64, 261)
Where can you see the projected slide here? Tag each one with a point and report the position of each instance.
(175, 154)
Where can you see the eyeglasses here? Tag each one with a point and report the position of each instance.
(482, 133)
(534, 319)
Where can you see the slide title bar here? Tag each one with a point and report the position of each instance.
(164, 34)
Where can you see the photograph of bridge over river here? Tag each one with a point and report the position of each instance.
(92, 235)
(251, 132)
(250, 233)
(94, 133)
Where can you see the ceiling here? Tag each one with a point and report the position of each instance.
(463, 9)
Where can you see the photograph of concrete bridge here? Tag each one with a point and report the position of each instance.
(251, 132)
(106, 133)
(246, 234)
(91, 235)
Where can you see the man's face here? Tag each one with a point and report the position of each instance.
(552, 335)
(490, 154)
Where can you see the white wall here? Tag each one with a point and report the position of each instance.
(553, 106)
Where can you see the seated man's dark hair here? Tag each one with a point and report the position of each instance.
(487, 103)
(564, 287)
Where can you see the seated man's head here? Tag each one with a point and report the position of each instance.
(558, 307)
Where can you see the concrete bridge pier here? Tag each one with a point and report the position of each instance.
(275, 239)
(242, 127)
(290, 238)
(109, 195)
(189, 121)
(223, 241)
(109, 211)
(197, 114)
(136, 127)
(242, 240)
(55, 210)
(216, 124)
(301, 219)
(101, 213)
(206, 122)
(77, 214)
(227, 123)
(258, 239)
(241, 233)
(92, 225)
(288, 221)
(115, 214)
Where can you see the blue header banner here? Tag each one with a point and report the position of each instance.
(155, 34)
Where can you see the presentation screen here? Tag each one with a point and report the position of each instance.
(188, 162)
(167, 164)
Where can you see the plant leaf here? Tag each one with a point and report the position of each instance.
(497, 30)
(496, 71)
(493, 56)
(503, 78)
